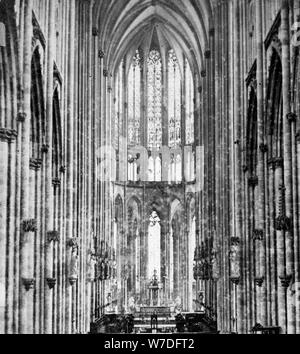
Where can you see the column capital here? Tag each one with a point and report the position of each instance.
(28, 283)
(286, 280)
(73, 280)
(259, 281)
(35, 164)
(51, 282)
(101, 54)
(276, 162)
(95, 31)
(207, 54)
(63, 169)
(263, 148)
(235, 241)
(56, 182)
(258, 235)
(72, 242)
(53, 236)
(21, 117)
(29, 225)
(8, 135)
(253, 181)
(45, 148)
(284, 223)
(235, 280)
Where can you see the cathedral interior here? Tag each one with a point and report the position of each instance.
(149, 166)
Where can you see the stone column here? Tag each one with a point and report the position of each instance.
(27, 226)
(164, 252)
(287, 151)
(183, 119)
(49, 212)
(261, 232)
(3, 222)
(70, 156)
(281, 270)
(296, 188)
(238, 155)
(297, 240)
(273, 260)
(11, 228)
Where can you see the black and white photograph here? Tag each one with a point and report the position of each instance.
(150, 170)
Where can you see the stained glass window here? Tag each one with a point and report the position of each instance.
(151, 170)
(134, 100)
(119, 104)
(189, 105)
(178, 173)
(174, 100)
(154, 86)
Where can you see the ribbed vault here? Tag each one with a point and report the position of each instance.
(125, 25)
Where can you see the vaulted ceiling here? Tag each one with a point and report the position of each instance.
(124, 25)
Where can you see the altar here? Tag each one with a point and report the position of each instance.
(155, 291)
(161, 311)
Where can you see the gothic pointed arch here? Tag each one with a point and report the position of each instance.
(186, 23)
(274, 107)
(252, 148)
(38, 127)
(57, 143)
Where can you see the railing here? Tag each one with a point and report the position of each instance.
(259, 329)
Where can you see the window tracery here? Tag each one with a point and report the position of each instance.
(174, 100)
(189, 105)
(154, 99)
(134, 100)
(119, 102)
(155, 94)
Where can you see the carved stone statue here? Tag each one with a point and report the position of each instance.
(74, 263)
(91, 274)
(234, 261)
(131, 304)
(102, 270)
(178, 305)
(214, 264)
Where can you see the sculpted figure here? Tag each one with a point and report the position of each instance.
(74, 262)
(234, 266)
(91, 267)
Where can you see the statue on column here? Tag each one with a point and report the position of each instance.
(131, 305)
(74, 262)
(201, 301)
(178, 305)
(214, 265)
(109, 300)
(91, 274)
(102, 266)
(234, 258)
